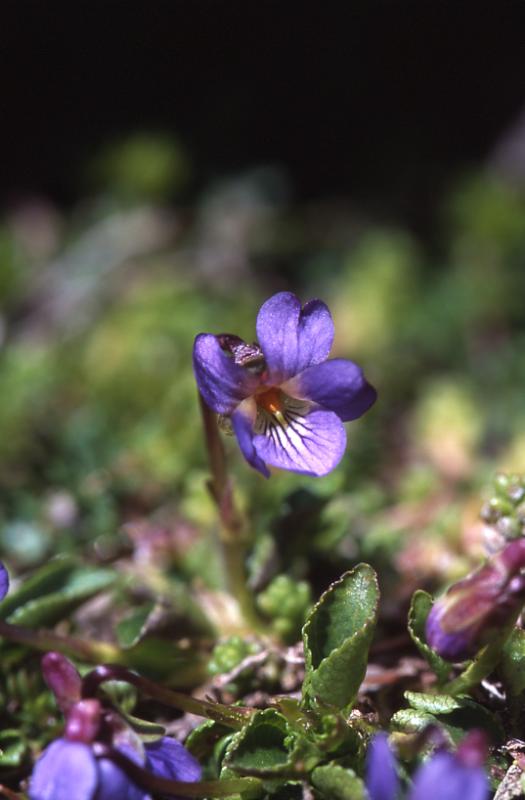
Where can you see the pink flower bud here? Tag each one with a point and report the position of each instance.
(63, 679)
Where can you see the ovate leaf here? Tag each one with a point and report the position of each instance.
(336, 637)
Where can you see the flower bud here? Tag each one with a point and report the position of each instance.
(62, 678)
(477, 608)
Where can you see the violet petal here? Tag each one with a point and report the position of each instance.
(170, 759)
(64, 771)
(313, 444)
(381, 779)
(242, 420)
(444, 776)
(337, 385)
(222, 383)
(292, 338)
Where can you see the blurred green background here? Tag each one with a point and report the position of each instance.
(100, 440)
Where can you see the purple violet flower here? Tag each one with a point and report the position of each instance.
(69, 768)
(479, 607)
(286, 401)
(454, 776)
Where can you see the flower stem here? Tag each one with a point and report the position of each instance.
(232, 533)
(231, 716)
(69, 645)
(155, 783)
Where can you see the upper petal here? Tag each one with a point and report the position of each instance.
(170, 759)
(338, 385)
(4, 581)
(444, 776)
(313, 444)
(382, 782)
(65, 771)
(243, 419)
(222, 383)
(292, 338)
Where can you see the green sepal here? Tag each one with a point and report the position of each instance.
(334, 782)
(417, 617)
(336, 637)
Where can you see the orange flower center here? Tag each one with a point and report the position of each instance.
(271, 400)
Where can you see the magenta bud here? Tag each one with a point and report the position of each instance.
(83, 721)
(476, 609)
(63, 679)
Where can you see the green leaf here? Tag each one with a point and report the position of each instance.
(260, 748)
(417, 617)
(132, 628)
(337, 635)
(408, 720)
(75, 588)
(457, 715)
(47, 579)
(202, 739)
(334, 782)
(513, 662)
(12, 748)
(433, 703)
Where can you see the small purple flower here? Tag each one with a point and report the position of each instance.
(69, 768)
(4, 581)
(478, 608)
(286, 401)
(454, 776)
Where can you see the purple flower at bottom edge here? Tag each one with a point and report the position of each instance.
(381, 779)
(445, 775)
(4, 581)
(454, 776)
(69, 770)
(286, 401)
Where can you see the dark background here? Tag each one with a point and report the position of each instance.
(381, 102)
